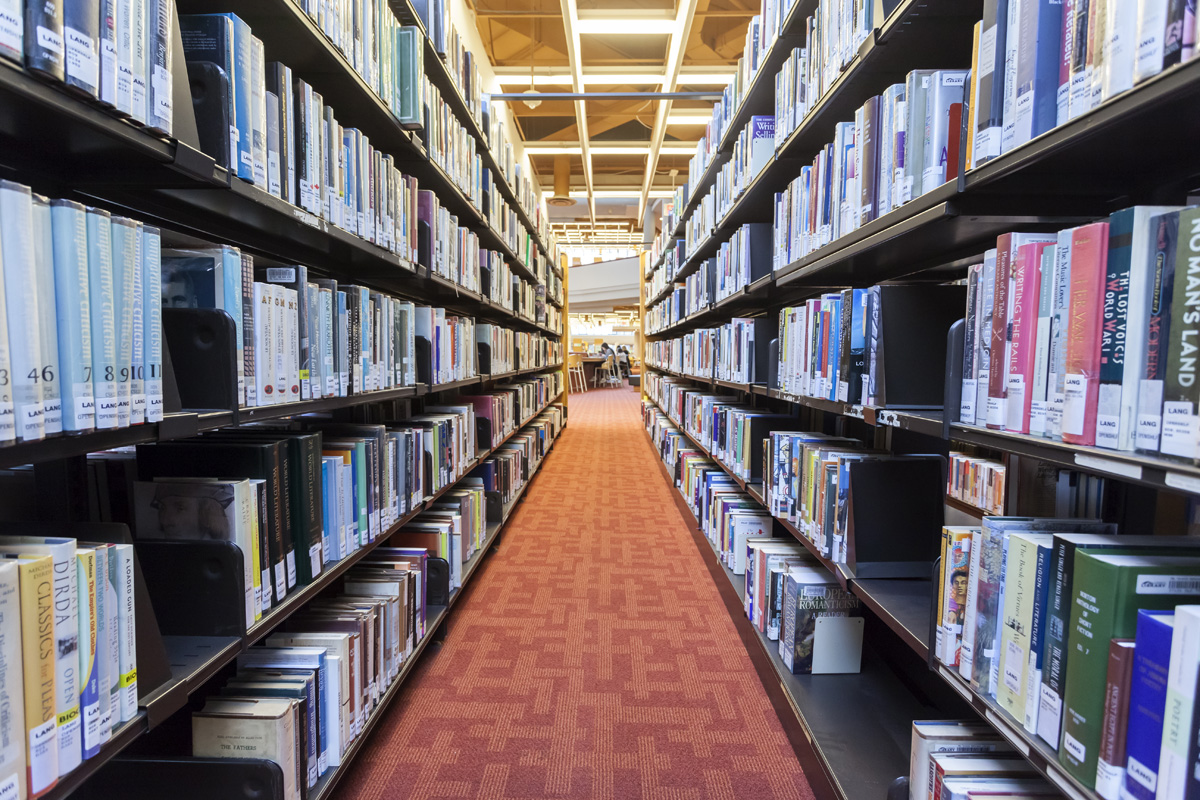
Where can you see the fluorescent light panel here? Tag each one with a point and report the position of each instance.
(532, 149)
(616, 79)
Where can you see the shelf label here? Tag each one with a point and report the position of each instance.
(1189, 483)
(885, 417)
(854, 411)
(1132, 471)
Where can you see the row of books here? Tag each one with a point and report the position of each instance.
(967, 760)
(900, 145)
(80, 319)
(979, 482)
(511, 466)
(1039, 64)
(119, 56)
(1121, 378)
(753, 150)
(303, 697)
(785, 590)
(68, 647)
(1028, 608)
(284, 138)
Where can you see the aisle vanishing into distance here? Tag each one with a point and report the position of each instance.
(591, 657)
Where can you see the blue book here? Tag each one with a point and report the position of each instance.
(137, 370)
(43, 253)
(211, 38)
(343, 351)
(69, 221)
(1043, 578)
(1147, 702)
(103, 317)
(90, 623)
(242, 96)
(20, 291)
(1039, 50)
(152, 322)
(126, 261)
(835, 345)
(858, 345)
(289, 658)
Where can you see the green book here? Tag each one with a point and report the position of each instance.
(1107, 593)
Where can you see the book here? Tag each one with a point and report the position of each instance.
(1025, 587)
(152, 321)
(258, 112)
(1110, 764)
(822, 624)
(1036, 74)
(1089, 249)
(13, 777)
(65, 655)
(250, 728)
(44, 50)
(983, 358)
(934, 737)
(1039, 403)
(36, 575)
(952, 593)
(71, 292)
(1023, 335)
(160, 27)
(126, 262)
(48, 369)
(103, 319)
(1108, 591)
(1180, 425)
(20, 293)
(1147, 701)
(1178, 714)
(90, 621)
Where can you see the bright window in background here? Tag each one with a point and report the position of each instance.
(594, 254)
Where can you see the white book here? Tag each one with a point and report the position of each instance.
(253, 728)
(120, 570)
(1151, 38)
(1056, 379)
(1173, 766)
(103, 317)
(932, 737)
(1012, 45)
(1121, 51)
(50, 376)
(12, 683)
(125, 260)
(264, 345)
(279, 335)
(152, 322)
(123, 41)
(1141, 292)
(108, 52)
(137, 368)
(139, 60)
(258, 112)
(8, 424)
(20, 292)
(73, 315)
(69, 728)
(292, 316)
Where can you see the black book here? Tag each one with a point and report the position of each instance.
(81, 37)
(44, 51)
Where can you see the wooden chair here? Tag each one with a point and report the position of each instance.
(575, 372)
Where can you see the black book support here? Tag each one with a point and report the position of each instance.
(203, 345)
(894, 516)
(484, 357)
(185, 778)
(952, 394)
(437, 587)
(197, 587)
(911, 347)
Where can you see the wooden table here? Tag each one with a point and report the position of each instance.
(590, 363)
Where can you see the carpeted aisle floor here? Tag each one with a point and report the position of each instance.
(592, 656)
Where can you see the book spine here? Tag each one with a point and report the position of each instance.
(102, 302)
(1165, 230)
(81, 55)
(1113, 334)
(1012, 48)
(291, 343)
(160, 60)
(44, 51)
(997, 411)
(1080, 95)
(137, 359)
(1037, 638)
(258, 111)
(138, 59)
(966, 413)
(124, 262)
(264, 361)
(20, 289)
(50, 375)
(1041, 363)
(12, 689)
(152, 317)
(279, 343)
(104, 645)
(248, 393)
(1025, 287)
(1151, 36)
(72, 315)
(89, 683)
(123, 36)
(121, 572)
(241, 85)
(983, 336)
(37, 648)
(1180, 701)
(1147, 701)
(1180, 425)
(1089, 248)
(1110, 766)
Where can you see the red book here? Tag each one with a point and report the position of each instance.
(998, 374)
(1025, 296)
(955, 142)
(1089, 259)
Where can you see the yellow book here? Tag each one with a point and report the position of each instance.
(12, 686)
(37, 654)
(973, 92)
(1027, 560)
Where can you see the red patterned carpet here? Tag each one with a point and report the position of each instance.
(592, 656)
